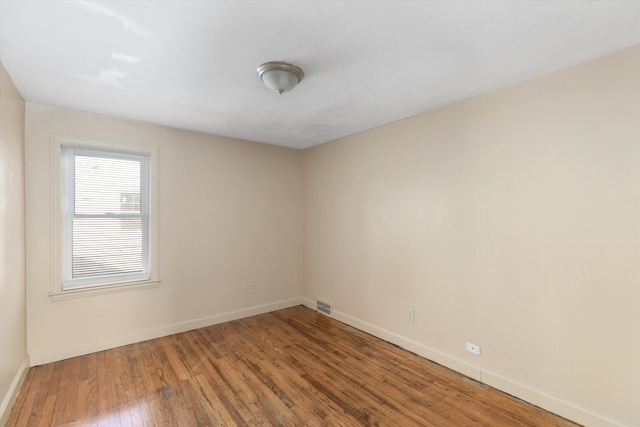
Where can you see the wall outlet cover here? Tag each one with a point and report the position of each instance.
(411, 315)
(473, 348)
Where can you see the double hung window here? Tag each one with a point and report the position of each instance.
(105, 224)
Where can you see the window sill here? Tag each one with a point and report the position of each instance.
(102, 290)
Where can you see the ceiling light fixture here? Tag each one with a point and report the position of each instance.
(280, 76)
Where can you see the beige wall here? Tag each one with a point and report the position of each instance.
(230, 214)
(13, 308)
(511, 220)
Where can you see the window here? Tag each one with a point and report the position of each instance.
(106, 225)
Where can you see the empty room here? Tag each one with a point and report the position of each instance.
(319, 213)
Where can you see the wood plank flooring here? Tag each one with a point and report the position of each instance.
(292, 367)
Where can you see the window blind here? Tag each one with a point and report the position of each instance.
(106, 231)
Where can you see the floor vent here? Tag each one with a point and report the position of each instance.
(323, 307)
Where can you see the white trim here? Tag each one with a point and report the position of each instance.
(43, 357)
(566, 409)
(102, 290)
(13, 392)
(432, 354)
(569, 410)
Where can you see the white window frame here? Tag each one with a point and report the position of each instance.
(109, 284)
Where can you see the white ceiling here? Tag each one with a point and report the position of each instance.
(191, 64)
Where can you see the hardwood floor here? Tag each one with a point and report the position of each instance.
(292, 367)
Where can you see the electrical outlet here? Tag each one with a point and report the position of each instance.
(473, 348)
(411, 315)
(252, 288)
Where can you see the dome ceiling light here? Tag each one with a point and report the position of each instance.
(280, 76)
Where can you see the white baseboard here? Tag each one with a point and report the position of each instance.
(566, 409)
(12, 394)
(40, 358)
